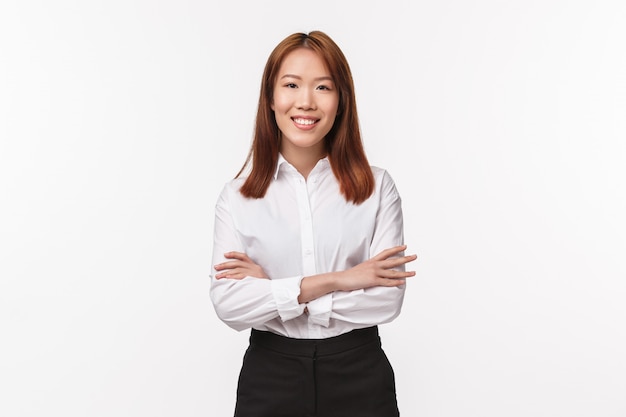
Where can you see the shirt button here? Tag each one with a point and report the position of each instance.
(308, 252)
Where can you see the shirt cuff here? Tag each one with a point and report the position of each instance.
(320, 309)
(286, 292)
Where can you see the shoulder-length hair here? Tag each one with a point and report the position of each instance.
(343, 142)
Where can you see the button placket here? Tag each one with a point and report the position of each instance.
(307, 240)
(306, 227)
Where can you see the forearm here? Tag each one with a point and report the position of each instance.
(316, 286)
(386, 269)
(368, 307)
(244, 303)
(371, 306)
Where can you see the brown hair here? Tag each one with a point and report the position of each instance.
(343, 142)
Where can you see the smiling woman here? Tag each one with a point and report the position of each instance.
(308, 248)
(305, 104)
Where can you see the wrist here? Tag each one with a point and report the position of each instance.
(315, 286)
(335, 281)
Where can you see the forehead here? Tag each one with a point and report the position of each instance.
(303, 61)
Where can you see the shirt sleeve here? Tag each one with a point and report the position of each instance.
(376, 305)
(251, 301)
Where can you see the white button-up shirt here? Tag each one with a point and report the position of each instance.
(302, 228)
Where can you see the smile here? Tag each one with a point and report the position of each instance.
(305, 122)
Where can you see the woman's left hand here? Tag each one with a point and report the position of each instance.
(242, 266)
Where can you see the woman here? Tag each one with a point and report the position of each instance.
(308, 248)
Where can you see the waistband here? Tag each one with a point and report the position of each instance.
(315, 347)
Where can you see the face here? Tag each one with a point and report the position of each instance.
(305, 102)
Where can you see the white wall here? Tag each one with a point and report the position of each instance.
(503, 124)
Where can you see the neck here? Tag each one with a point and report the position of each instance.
(303, 159)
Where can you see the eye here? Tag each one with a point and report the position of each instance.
(323, 87)
(291, 85)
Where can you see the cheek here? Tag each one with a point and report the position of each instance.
(332, 107)
(279, 103)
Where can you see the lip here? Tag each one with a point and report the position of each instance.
(305, 126)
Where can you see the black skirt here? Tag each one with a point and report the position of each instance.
(343, 376)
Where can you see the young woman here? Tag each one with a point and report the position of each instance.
(308, 248)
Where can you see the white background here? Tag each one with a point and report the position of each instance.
(502, 122)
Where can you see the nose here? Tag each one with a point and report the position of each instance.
(306, 99)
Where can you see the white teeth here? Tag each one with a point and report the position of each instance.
(304, 121)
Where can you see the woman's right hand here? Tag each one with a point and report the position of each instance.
(377, 271)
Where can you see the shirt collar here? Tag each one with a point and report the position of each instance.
(324, 162)
(281, 161)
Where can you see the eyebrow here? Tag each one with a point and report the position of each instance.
(326, 77)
